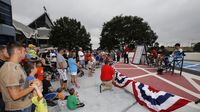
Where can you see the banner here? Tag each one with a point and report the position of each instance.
(138, 54)
(154, 100)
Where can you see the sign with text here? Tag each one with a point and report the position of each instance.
(138, 54)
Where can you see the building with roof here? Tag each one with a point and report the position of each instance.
(7, 31)
(42, 25)
(24, 33)
(37, 32)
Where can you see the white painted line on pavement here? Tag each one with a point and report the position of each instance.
(172, 83)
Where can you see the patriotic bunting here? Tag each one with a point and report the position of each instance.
(154, 100)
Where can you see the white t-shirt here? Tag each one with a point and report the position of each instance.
(81, 55)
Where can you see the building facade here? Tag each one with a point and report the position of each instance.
(42, 25)
(7, 31)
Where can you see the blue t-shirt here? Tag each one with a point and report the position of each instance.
(30, 78)
(72, 65)
(28, 57)
(97, 58)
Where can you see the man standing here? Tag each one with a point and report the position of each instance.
(118, 55)
(81, 57)
(61, 67)
(15, 92)
(126, 51)
(3, 57)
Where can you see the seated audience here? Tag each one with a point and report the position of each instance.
(60, 94)
(153, 55)
(177, 51)
(47, 87)
(164, 53)
(40, 71)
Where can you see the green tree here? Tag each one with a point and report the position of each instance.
(69, 33)
(197, 47)
(126, 29)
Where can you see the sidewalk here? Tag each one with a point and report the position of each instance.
(117, 100)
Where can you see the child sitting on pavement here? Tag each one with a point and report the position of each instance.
(73, 100)
(60, 94)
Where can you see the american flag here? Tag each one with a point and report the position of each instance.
(154, 100)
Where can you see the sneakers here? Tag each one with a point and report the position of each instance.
(77, 86)
(51, 103)
(197, 101)
(81, 104)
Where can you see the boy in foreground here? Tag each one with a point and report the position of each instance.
(73, 101)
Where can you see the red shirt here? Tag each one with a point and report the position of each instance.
(40, 73)
(107, 73)
(154, 53)
(126, 50)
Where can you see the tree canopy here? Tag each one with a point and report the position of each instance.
(69, 33)
(126, 29)
(197, 47)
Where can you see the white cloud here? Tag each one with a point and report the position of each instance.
(172, 20)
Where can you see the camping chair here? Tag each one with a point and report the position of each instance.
(169, 63)
(178, 62)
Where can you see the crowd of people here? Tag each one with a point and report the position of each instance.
(26, 74)
(162, 58)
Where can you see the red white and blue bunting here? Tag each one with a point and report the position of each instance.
(154, 100)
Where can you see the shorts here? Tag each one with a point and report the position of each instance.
(73, 73)
(63, 74)
(82, 62)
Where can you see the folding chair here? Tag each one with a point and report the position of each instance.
(169, 63)
(178, 62)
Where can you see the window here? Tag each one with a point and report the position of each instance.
(5, 14)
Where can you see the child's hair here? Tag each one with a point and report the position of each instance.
(178, 44)
(29, 67)
(59, 90)
(71, 91)
(39, 62)
(106, 61)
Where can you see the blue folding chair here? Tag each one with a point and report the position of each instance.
(178, 61)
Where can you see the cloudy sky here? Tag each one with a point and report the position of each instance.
(172, 20)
